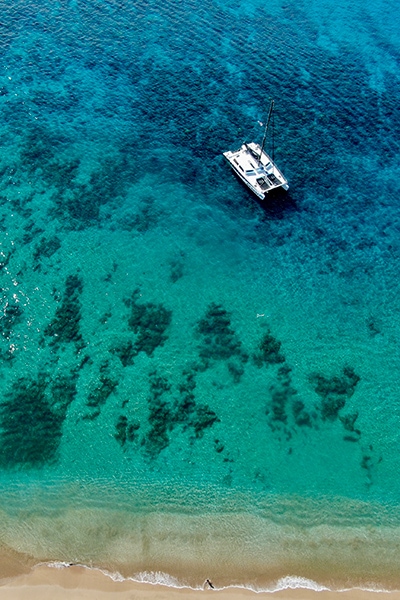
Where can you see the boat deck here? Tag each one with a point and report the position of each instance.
(259, 173)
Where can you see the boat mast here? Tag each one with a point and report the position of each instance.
(271, 108)
(273, 139)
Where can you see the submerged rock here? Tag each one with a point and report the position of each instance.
(31, 422)
(219, 341)
(65, 326)
(334, 391)
(268, 351)
(150, 322)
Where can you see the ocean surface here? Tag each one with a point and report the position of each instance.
(195, 384)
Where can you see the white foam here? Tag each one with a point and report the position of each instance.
(158, 578)
(369, 588)
(150, 577)
(65, 565)
(59, 564)
(292, 582)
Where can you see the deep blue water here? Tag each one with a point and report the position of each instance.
(171, 346)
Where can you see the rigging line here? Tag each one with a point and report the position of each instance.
(271, 108)
(273, 137)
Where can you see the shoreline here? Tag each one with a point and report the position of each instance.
(59, 582)
(263, 553)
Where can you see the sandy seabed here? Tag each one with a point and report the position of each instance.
(45, 582)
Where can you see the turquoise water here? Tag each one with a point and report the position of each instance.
(177, 358)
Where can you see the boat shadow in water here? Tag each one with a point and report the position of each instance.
(278, 203)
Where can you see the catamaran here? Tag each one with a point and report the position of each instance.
(255, 167)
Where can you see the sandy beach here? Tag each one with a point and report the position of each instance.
(77, 582)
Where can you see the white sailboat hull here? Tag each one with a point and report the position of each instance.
(256, 169)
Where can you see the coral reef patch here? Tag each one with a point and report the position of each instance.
(334, 392)
(31, 421)
(168, 408)
(149, 321)
(161, 417)
(189, 414)
(65, 326)
(144, 219)
(100, 394)
(11, 313)
(268, 352)
(125, 431)
(219, 341)
(46, 248)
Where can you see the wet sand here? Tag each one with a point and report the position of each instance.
(44, 583)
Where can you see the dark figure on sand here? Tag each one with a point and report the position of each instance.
(208, 582)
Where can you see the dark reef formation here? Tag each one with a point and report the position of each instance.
(99, 395)
(177, 267)
(46, 248)
(20, 203)
(10, 314)
(144, 219)
(78, 205)
(268, 352)
(374, 328)
(31, 419)
(62, 173)
(220, 342)
(301, 416)
(281, 395)
(126, 352)
(285, 411)
(165, 415)
(161, 417)
(186, 404)
(368, 462)
(125, 431)
(65, 326)
(349, 422)
(189, 414)
(167, 409)
(31, 232)
(63, 392)
(149, 322)
(5, 258)
(334, 392)
(38, 148)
